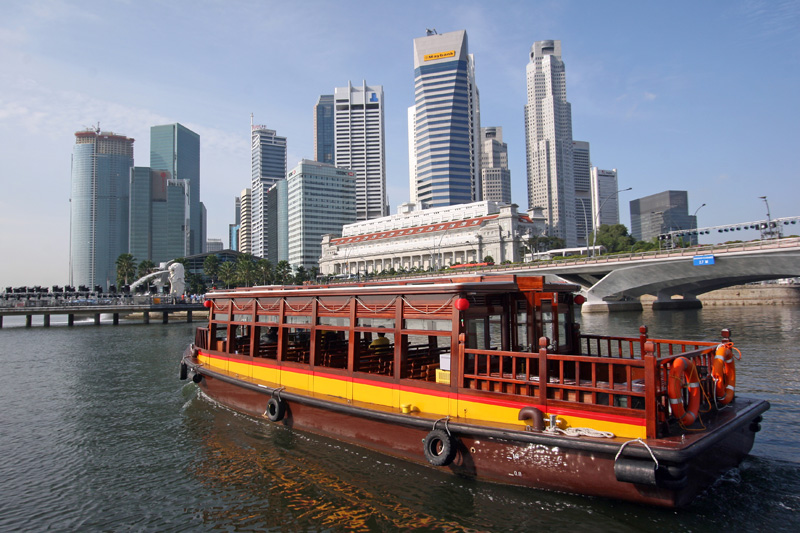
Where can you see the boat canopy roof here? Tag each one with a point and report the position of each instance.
(451, 284)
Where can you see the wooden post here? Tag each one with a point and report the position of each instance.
(165, 317)
(97, 319)
(116, 319)
(46, 321)
(543, 342)
(189, 316)
(70, 319)
(1, 321)
(651, 377)
(642, 339)
(146, 316)
(28, 321)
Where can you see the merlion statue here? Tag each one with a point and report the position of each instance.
(176, 282)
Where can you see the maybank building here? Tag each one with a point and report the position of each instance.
(444, 123)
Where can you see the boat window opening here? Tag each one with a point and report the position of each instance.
(220, 317)
(267, 342)
(267, 319)
(296, 345)
(522, 342)
(428, 325)
(298, 304)
(422, 355)
(219, 334)
(484, 333)
(334, 321)
(243, 318)
(366, 322)
(241, 340)
(298, 319)
(373, 356)
(331, 348)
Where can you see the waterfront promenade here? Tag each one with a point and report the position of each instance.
(47, 307)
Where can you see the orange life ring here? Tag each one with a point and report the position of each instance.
(723, 371)
(683, 368)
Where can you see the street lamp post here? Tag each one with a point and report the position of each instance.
(695, 223)
(768, 231)
(585, 225)
(597, 215)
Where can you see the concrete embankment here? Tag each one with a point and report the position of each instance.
(748, 295)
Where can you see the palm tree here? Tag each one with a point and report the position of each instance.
(246, 269)
(126, 268)
(265, 273)
(227, 273)
(283, 272)
(300, 275)
(146, 267)
(211, 267)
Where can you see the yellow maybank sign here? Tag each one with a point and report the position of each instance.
(440, 55)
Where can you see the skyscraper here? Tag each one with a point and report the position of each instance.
(360, 145)
(582, 170)
(245, 242)
(661, 213)
(445, 122)
(160, 216)
(268, 157)
(101, 163)
(233, 229)
(176, 149)
(323, 130)
(605, 201)
(320, 200)
(548, 141)
(495, 175)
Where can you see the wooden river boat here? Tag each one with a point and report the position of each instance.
(484, 376)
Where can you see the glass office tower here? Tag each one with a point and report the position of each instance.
(99, 195)
(444, 126)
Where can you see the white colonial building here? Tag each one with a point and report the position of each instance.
(430, 238)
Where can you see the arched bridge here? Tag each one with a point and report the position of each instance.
(617, 281)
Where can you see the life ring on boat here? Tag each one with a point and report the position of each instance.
(276, 409)
(184, 373)
(197, 377)
(723, 371)
(683, 368)
(439, 447)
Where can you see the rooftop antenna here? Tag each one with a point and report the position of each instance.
(430, 31)
(251, 122)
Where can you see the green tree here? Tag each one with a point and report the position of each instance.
(300, 275)
(126, 268)
(211, 267)
(146, 267)
(614, 238)
(195, 283)
(283, 273)
(265, 273)
(246, 270)
(227, 273)
(488, 259)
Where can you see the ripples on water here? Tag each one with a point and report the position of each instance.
(97, 433)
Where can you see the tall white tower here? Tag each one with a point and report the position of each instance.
(268, 158)
(548, 139)
(360, 146)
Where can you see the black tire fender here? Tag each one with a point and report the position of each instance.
(197, 378)
(276, 409)
(184, 373)
(439, 447)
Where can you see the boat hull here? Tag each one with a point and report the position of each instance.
(580, 465)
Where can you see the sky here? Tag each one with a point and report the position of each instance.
(683, 95)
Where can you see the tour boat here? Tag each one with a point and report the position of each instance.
(485, 376)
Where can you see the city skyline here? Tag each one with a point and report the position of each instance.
(663, 105)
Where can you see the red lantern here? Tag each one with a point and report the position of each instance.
(207, 304)
(462, 304)
(579, 299)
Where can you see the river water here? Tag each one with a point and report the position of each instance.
(98, 433)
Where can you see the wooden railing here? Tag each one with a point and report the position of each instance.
(619, 375)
